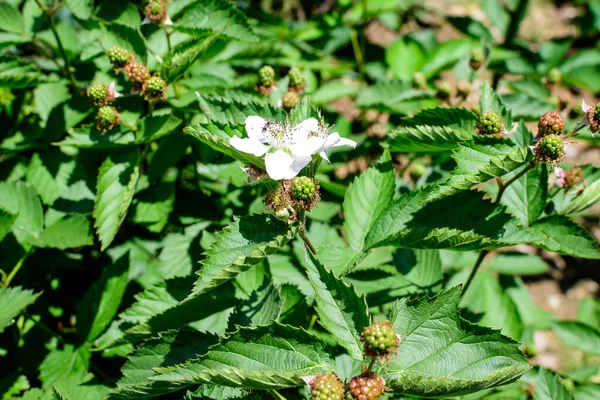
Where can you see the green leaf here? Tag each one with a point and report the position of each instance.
(271, 357)
(230, 111)
(102, 300)
(49, 95)
(426, 138)
(489, 101)
(365, 200)
(21, 200)
(341, 310)
(219, 17)
(10, 18)
(262, 308)
(129, 38)
(244, 243)
(588, 197)
(154, 205)
(81, 8)
(549, 387)
(578, 335)
(18, 74)
(517, 264)
(7, 219)
(177, 251)
(446, 55)
(154, 127)
(13, 300)
(69, 232)
(432, 331)
(564, 236)
(404, 57)
(217, 136)
(526, 197)
(68, 363)
(117, 177)
(49, 174)
(181, 58)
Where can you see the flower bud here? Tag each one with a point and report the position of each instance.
(443, 90)
(549, 123)
(490, 124)
(417, 171)
(107, 118)
(554, 76)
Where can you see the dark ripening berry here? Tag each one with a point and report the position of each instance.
(119, 57)
(296, 80)
(327, 387)
(379, 339)
(107, 118)
(550, 149)
(154, 89)
(490, 124)
(303, 188)
(137, 74)
(367, 386)
(289, 100)
(98, 94)
(549, 123)
(266, 76)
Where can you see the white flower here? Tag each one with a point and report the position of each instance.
(287, 148)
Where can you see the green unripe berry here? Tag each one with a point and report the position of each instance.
(443, 90)
(379, 339)
(154, 89)
(550, 122)
(419, 81)
(303, 188)
(327, 387)
(107, 118)
(552, 147)
(98, 93)
(296, 78)
(290, 100)
(490, 124)
(266, 76)
(417, 171)
(477, 57)
(554, 76)
(118, 56)
(463, 88)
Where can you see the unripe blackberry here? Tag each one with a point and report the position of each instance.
(490, 124)
(379, 339)
(107, 118)
(477, 57)
(296, 77)
(327, 387)
(553, 76)
(137, 74)
(156, 11)
(266, 76)
(367, 386)
(154, 89)
(303, 188)
(119, 57)
(593, 118)
(290, 100)
(549, 123)
(97, 93)
(419, 81)
(463, 88)
(443, 90)
(417, 171)
(550, 149)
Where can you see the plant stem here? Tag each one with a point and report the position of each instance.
(16, 269)
(150, 108)
(312, 322)
(503, 186)
(371, 364)
(482, 255)
(307, 241)
(61, 49)
(277, 395)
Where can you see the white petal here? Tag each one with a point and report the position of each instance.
(254, 126)
(340, 141)
(301, 131)
(251, 146)
(167, 21)
(279, 165)
(299, 163)
(111, 89)
(307, 147)
(324, 156)
(585, 107)
(146, 21)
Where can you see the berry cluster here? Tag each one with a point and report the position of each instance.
(101, 96)
(550, 149)
(119, 58)
(266, 80)
(593, 118)
(367, 386)
(490, 124)
(327, 387)
(154, 89)
(107, 118)
(550, 123)
(300, 193)
(289, 100)
(379, 339)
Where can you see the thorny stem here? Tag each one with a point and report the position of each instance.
(48, 14)
(482, 255)
(503, 186)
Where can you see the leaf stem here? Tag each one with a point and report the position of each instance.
(503, 186)
(302, 232)
(482, 255)
(16, 269)
(277, 395)
(48, 14)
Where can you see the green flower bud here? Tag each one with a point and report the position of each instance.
(296, 79)
(477, 57)
(419, 81)
(554, 76)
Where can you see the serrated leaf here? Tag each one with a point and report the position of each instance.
(217, 16)
(68, 362)
(21, 200)
(271, 357)
(564, 236)
(115, 34)
(49, 174)
(217, 136)
(341, 310)
(81, 8)
(263, 307)
(6, 222)
(13, 300)
(17, 74)
(588, 197)
(432, 331)
(425, 138)
(225, 110)
(177, 252)
(69, 232)
(244, 243)
(578, 335)
(102, 300)
(117, 177)
(526, 197)
(366, 199)
(181, 58)
(489, 101)
(154, 205)
(10, 18)
(154, 127)
(549, 387)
